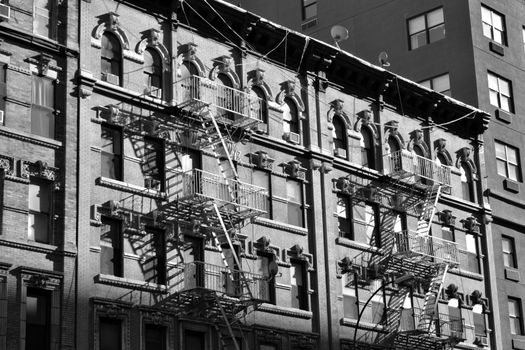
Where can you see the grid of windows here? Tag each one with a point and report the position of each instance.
(42, 106)
(507, 160)
(493, 25)
(509, 252)
(515, 316)
(426, 28)
(439, 84)
(500, 92)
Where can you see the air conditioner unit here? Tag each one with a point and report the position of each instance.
(340, 152)
(482, 340)
(111, 78)
(293, 137)
(1, 117)
(261, 128)
(5, 12)
(153, 92)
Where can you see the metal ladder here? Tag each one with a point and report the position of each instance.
(427, 212)
(430, 305)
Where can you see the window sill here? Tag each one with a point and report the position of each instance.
(350, 322)
(36, 247)
(129, 283)
(127, 187)
(27, 137)
(357, 245)
(285, 311)
(281, 226)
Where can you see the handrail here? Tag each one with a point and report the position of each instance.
(219, 279)
(196, 182)
(200, 89)
(404, 161)
(409, 242)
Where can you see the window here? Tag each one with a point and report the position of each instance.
(290, 116)
(111, 251)
(309, 9)
(263, 264)
(40, 204)
(447, 233)
(426, 28)
(154, 163)
(155, 337)
(299, 285)
(43, 13)
(480, 328)
(194, 340)
(260, 111)
(344, 217)
(493, 25)
(509, 252)
(500, 92)
(515, 316)
(155, 264)
(262, 178)
(111, 59)
(372, 224)
(153, 72)
(367, 148)
(350, 309)
(111, 152)
(468, 184)
(472, 253)
(507, 160)
(3, 92)
(226, 95)
(42, 106)
(439, 84)
(38, 319)
(110, 331)
(339, 137)
(294, 195)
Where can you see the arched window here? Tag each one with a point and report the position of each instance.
(441, 159)
(153, 72)
(290, 116)
(367, 148)
(260, 111)
(339, 137)
(419, 151)
(468, 183)
(225, 95)
(111, 59)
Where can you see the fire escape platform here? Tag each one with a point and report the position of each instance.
(193, 193)
(197, 288)
(420, 249)
(232, 107)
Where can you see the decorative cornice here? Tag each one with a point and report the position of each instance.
(30, 138)
(285, 311)
(18, 69)
(130, 284)
(130, 188)
(35, 248)
(281, 226)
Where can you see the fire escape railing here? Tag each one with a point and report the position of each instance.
(435, 248)
(405, 162)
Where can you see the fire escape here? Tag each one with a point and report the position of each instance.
(216, 116)
(410, 183)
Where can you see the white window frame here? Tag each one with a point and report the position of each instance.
(489, 20)
(508, 162)
(498, 92)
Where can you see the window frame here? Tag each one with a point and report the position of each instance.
(304, 6)
(506, 160)
(154, 72)
(339, 127)
(156, 145)
(115, 57)
(426, 29)
(377, 222)
(491, 25)
(39, 110)
(48, 186)
(300, 266)
(511, 253)
(370, 152)
(348, 220)
(471, 254)
(117, 245)
(300, 205)
(517, 318)
(47, 295)
(52, 19)
(291, 125)
(268, 173)
(499, 95)
(118, 167)
(102, 321)
(431, 83)
(469, 186)
(164, 330)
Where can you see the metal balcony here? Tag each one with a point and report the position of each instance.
(403, 164)
(230, 106)
(443, 326)
(195, 190)
(409, 245)
(197, 287)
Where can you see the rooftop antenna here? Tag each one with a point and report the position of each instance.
(383, 59)
(338, 33)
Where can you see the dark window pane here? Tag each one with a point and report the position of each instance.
(110, 334)
(436, 33)
(38, 306)
(194, 340)
(155, 337)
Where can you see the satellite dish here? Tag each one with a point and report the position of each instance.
(338, 33)
(383, 59)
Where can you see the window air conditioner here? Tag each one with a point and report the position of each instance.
(293, 137)
(1, 117)
(111, 78)
(340, 152)
(481, 340)
(5, 12)
(261, 128)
